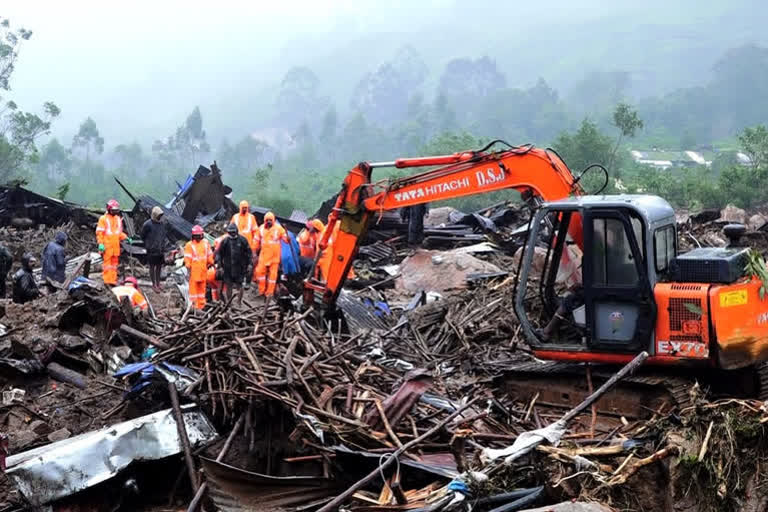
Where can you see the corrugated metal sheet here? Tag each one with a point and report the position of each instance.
(179, 229)
(299, 216)
(360, 318)
(234, 489)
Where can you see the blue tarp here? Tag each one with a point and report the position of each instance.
(289, 256)
(182, 190)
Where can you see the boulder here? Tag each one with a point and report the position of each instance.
(756, 221)
(714, 240)
(59, 435)
(439, 271)
(438, 216)
(732, 214)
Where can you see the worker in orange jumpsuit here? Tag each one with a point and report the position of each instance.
(246, 223)
(109, 234)
(309, 237)
(270, 235)
(324, 263)
(198, 256)
(130, 289)
(214, 284)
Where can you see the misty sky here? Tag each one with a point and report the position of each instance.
(138, 68)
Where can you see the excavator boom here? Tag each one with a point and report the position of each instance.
(530, 170)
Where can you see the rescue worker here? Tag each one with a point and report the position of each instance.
(309, 237)
(324, 263)
(270, 235)
(109, 234)
(414, 216)
(198, 256)
(153, 233)
(130, 289)
(24, 286)
(246, 223)
(234, 259)
(6, 261)
(55, 259)
(214, 284)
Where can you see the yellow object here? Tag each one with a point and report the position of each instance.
(734, 298)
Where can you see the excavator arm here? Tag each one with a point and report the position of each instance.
(532, 171)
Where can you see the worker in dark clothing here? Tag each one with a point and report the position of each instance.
(55, 259)
(414, 215)
(24, 286)
(153, 233)
(568, 303)
(234, 260)
(6, 261)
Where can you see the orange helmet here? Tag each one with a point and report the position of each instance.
(269, 216)
(317, 224)
(131, 281)
(197, 230)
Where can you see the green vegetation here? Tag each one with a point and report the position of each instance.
(396, 110)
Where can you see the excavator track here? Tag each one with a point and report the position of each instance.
(564, 385)
(762, 379)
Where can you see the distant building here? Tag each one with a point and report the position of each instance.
(667, 159)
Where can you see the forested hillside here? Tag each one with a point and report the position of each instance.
(594, 86)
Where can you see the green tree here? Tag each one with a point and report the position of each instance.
(754, 142)
(55, 161)
(587, 146)
(185, 147)
(88, 137)
(626, 120)
(62, 191)
(18, 129)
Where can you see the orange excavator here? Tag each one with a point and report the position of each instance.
(634, 292)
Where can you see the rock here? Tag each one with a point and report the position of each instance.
(59, 435)
(40, 427)
(756, 221)
(733, 214)
(568, 506)
(72, 342)
(19, 440)
(714, 240)
(705, 216)
(438, 216)
(439, 271)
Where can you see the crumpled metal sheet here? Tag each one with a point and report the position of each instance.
(61, 469)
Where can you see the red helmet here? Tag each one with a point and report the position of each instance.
(197, 230)
(112, 204)
(131, 280)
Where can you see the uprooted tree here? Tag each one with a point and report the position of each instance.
(18, 129)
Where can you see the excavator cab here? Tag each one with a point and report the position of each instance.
(603, 297)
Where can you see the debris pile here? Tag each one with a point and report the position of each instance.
(402, 404)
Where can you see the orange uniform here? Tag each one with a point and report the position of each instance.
(213, 284)
(137, 299)
(198, 256)
(109, 233)
(324, 263)
(308, 241)
(247, 226)
(268, 266)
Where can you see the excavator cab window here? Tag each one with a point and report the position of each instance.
(613, 261)
(664, 247)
